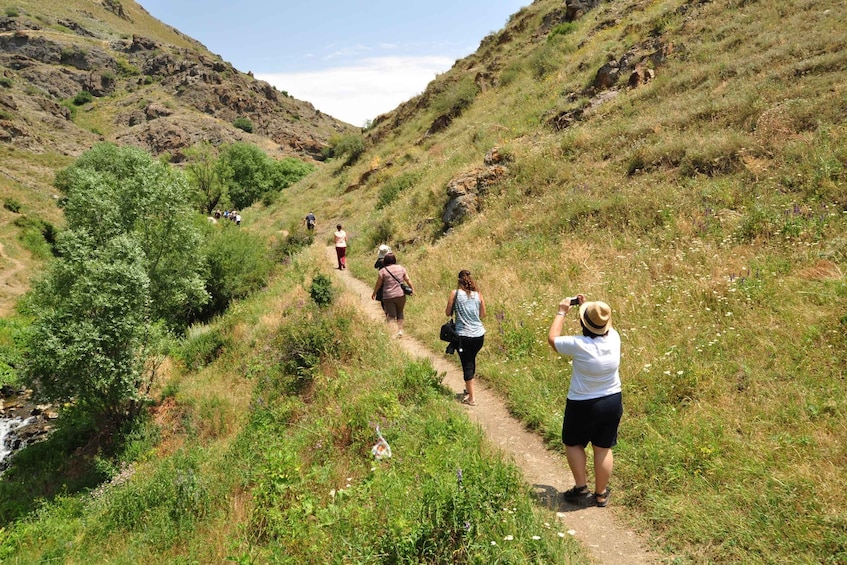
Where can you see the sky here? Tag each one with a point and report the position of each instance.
(352, 60)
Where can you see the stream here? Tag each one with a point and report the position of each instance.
(21, 423)
(9, 441)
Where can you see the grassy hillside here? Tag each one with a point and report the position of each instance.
(707, 206)
(706, 203)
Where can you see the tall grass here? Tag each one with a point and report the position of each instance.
(707, 207)
(292, 479)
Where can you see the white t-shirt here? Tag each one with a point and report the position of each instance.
(341, 238)
(595, 364)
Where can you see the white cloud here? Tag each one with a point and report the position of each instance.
(362, 90)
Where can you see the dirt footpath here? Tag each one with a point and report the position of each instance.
(608, 541)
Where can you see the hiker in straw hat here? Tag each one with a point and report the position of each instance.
(594, 407)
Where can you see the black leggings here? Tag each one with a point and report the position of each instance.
(468, 348)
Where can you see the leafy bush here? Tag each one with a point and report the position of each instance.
(11, 355)
(350, 144)
(243, 123)
(382, 232)
(562, 29)
(83, 97)
(238, 264)
(302, 346)
(456, 97)
(289, 170)
(296, 240)
(37, 235)
(321, 290)
(201, 347)
(12, 12)
(544, 61)
(12, 205)
(6, 82)
(127, 69)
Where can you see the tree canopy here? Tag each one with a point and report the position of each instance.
(127, 270)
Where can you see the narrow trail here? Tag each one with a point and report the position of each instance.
(11, 288)
(606, 538)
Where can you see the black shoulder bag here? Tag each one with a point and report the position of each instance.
(448, 331)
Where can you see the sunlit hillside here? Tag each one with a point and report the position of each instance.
(686, 163)
(683, 161)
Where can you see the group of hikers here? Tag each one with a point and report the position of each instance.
(594, 404)
(231, 215)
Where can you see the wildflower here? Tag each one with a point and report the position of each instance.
(493, 542)
(561, 534)
(536, 538)
(510, 537)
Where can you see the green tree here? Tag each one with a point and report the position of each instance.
(246, 173)
(204, 177)
(91, 341)
(127, 271)
(289, 170)
(110, 191)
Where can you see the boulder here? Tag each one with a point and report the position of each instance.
(466, 191)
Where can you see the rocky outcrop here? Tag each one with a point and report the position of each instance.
(639, 65)
(467, 191)
(181, 94)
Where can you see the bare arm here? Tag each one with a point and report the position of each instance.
(449, 310)
(559, 320)
(481, 306)
(408, 281)
(377, 286)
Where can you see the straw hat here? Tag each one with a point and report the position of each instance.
(383, 251)
(596, 317)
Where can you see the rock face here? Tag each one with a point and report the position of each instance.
(161, 93)
(466, 192)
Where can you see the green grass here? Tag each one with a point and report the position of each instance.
(707, 207)
(289, 475)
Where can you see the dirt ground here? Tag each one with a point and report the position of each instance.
(600, 530)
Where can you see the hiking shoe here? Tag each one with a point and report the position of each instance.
(578, 495)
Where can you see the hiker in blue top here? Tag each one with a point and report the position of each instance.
(309, 220)
(469, 309)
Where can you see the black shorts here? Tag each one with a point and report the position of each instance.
(593, 421)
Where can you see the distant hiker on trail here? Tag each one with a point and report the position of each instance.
(391, 279)
(378, 264)
(469, 306)
(594, 404)
(309, 220)
(341, 247)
